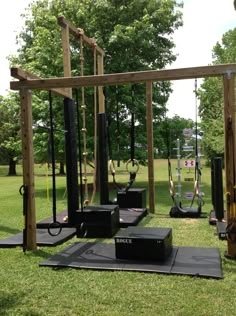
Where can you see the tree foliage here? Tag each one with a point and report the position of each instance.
(10, 140)
(168, 130)
(211, 98)
(136, 35)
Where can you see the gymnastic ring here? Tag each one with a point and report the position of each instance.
(22, 189)
(112, 167)
(54, 225)
(82, 230)
(135, 162)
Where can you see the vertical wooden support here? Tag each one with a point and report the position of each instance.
(149, 119)
(28, 167)
(66, 54)
(230, 155)
(101, 101)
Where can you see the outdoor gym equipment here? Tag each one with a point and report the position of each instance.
(54, 224)
(28, 82)
(217, 215)
(127, 197)
(178, 210)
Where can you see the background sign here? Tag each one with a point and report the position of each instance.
(189, 163)
(187, 132)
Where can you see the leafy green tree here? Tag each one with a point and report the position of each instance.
(167, 131)
(10, 140)
(211, 98)
(136, 35)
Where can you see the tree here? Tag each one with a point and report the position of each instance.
(10, 141)
(136, 35)
(167, 131)
(211, 98)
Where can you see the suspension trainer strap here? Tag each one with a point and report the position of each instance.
(55, 223)
(118, 127)
(24, 193)
(110, 156)
(132, 136)
(170, 177)
(196, 191)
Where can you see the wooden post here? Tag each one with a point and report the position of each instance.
(101, 100)
(66, 54)
(28, 167)
(230, 155)
(149, 119)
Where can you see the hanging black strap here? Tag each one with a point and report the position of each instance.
(55, 225)
(231, 223)
(132, 130)
(24, 193)
(118, 126)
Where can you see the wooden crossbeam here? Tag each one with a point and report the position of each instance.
(24, 75)
(126, 78)
(77, 32)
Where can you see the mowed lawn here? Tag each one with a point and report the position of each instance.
(27, 289)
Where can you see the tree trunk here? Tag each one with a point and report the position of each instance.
(12, 167)
(62, 168)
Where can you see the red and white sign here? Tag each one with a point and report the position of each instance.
(189, 163)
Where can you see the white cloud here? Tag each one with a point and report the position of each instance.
(205, 21)
(10, 24)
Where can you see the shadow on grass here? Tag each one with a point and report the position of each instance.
(9, 301)
(41, 253)
(9, 230)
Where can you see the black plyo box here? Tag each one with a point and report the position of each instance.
(144, 243)
(133, 198)
(100, 221)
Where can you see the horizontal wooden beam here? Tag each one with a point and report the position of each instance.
(77, 32)
(126, 78)
(24, 75)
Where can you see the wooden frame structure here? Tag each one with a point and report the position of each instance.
(227, 72)
(66, 29)
(63, 86)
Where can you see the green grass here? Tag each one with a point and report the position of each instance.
(27, 289)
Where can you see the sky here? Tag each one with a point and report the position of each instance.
(205, 21)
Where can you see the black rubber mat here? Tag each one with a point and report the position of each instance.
(128, 217)
(212, 217)
(221, 230)
(131, 216)
(201, 262)
(42, 236)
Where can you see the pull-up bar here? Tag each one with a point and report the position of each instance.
(127, 77)
(77, 32)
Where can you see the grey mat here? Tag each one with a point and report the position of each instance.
(42, 236)
(201, 262)
(128, 217)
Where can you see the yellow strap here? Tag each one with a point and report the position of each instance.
(171, 188)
